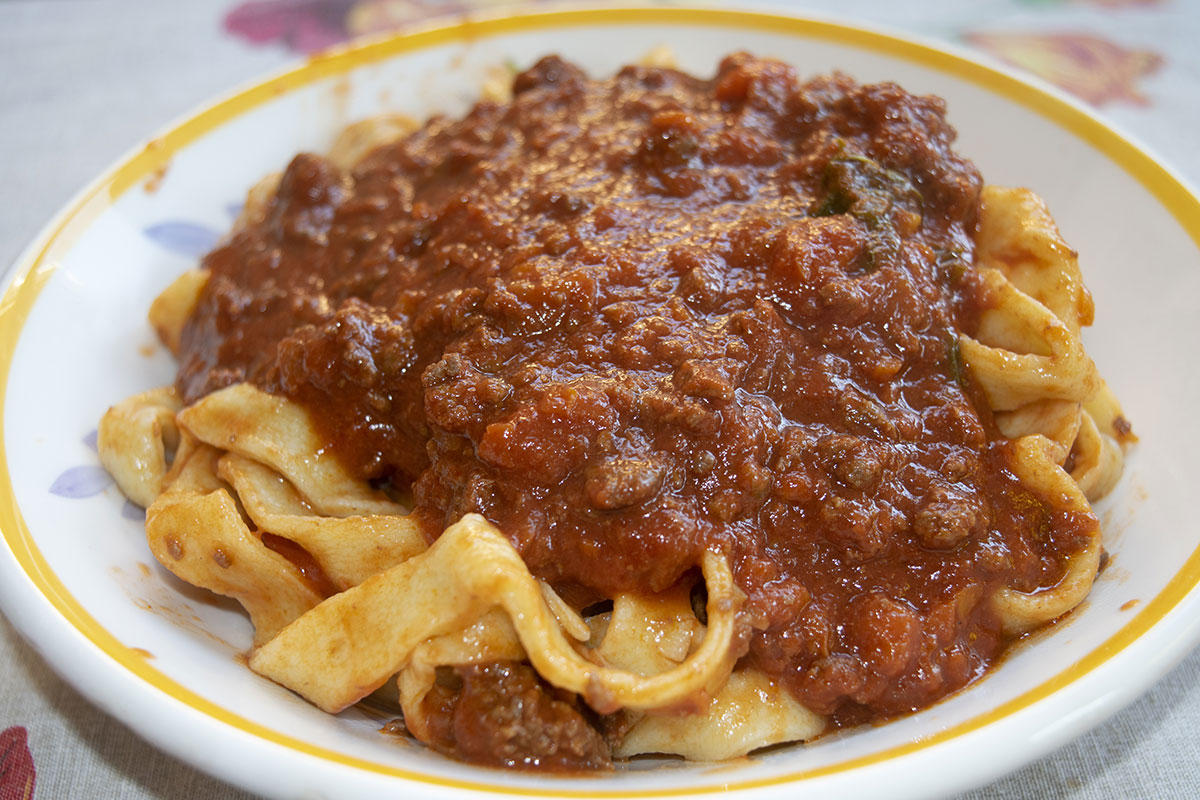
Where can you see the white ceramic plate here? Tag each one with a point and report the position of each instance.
(77, 579)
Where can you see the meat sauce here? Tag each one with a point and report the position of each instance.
(627, 320)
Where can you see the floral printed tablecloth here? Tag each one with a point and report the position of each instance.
(81, 81)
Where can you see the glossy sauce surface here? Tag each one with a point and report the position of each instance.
(631, 319)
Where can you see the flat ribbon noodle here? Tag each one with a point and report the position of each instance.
(1033, 464)
(134, 440)
(1099, 454)
(1071, 405)
(653, 634)
(348, 549)
(277, 432)
(750, 711)
(1018, 236)
(1098, 460)
(646, 635)
(358, 139)
(1106, 412)
(1023, 353)
(1057, 420)
(196, 531)
(350, 644)
(258, 202)
(174, 305)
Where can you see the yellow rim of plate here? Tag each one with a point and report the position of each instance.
(35, 268)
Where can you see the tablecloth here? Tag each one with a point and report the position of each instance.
(81, 82)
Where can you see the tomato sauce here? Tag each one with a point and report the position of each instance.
(631, 319)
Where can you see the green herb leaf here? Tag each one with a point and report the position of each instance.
(871, 193)
(954, 359)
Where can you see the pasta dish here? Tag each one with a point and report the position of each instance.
(647, 414)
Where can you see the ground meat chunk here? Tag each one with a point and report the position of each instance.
(505, 716)
(623, 482)
(947, 517)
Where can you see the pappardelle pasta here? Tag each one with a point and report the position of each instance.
(653, 414)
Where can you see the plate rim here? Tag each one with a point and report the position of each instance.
(34, 267)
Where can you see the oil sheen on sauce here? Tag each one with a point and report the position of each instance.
(631, 319)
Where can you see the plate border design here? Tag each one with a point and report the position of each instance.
(37, 264)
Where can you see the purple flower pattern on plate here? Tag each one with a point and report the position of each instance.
(183, 238)
(81, 481)
(191, 239)
(86, 480)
